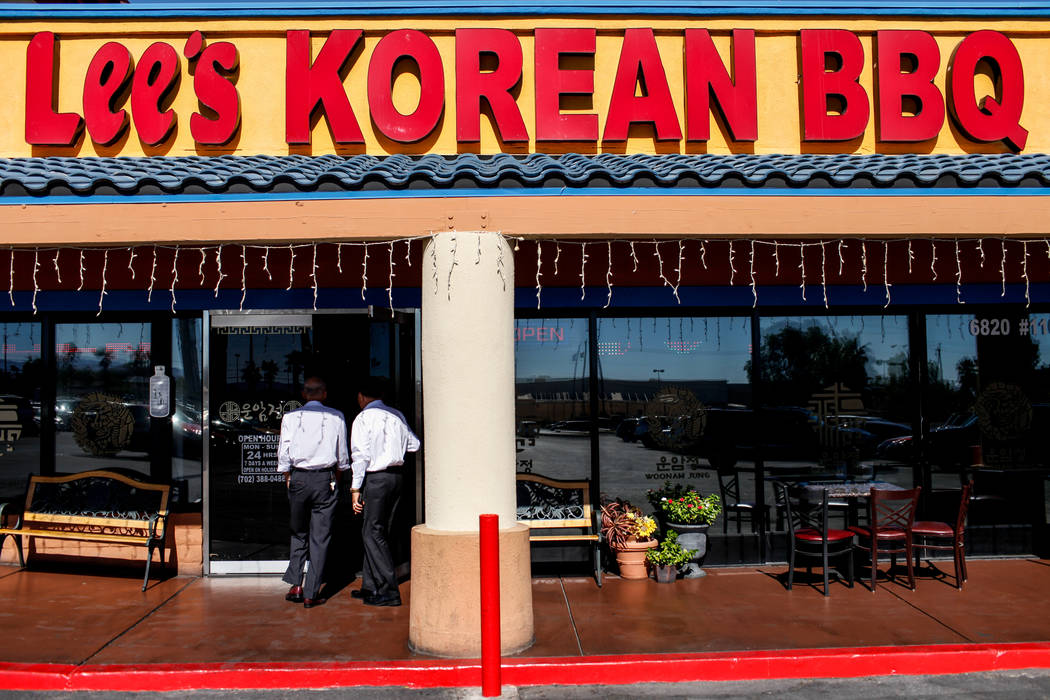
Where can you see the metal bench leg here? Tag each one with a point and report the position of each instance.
(598, 564)
(149, 560)
(18, 546)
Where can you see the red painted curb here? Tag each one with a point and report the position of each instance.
(588, 670)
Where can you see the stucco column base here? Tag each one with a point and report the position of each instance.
(445, 615)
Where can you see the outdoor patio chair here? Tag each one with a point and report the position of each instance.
(946, 538)
(809, 535)
(732, 506)
(891, 514)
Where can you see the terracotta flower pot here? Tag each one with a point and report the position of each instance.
(631, 559)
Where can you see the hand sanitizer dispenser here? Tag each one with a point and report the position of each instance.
(159, 393)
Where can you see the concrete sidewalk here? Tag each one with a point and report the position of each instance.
(68, 629)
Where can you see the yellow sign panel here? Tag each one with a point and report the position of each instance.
(351, 86)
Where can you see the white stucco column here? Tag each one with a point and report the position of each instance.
(467, 349)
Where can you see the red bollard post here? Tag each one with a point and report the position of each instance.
(491, 684)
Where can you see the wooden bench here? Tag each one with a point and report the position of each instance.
(96, 506)
(561, 511)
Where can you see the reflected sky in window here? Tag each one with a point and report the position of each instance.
(675, 348)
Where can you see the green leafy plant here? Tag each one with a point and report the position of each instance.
(670, 553)
(623, 522)
(691, 508)
(670, 489)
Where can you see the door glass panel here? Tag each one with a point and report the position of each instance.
(674, 410)
(20, 382)
(552, 380)
(256, 376)
(102, 399)
(186, 423)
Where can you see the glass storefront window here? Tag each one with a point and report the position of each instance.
(988, 410)
(102, 396)
(675, 409)
(20, 381)
(552, 397)
(837, 391)
(838, 403)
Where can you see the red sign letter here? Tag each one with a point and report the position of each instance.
(107, 76)
(706, 77)
(639, 59)
(309, 87)
(156, 76)
(552, 82)
(406, 128)
(995, 117)
(45, 126)
(494, 86)
(818, 84)
(213, 85)
(893, 86)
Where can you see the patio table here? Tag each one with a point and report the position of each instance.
(850, 491)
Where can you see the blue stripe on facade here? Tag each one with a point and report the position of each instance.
(545, 192)
(497, 8)
(903, 298)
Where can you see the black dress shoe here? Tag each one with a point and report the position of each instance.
(390, 600)
(362, 593)
(295, 594)
(312, 602)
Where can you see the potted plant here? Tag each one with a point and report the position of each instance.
(689, 515)
(668, 558)
(669, 490)
(629, 534)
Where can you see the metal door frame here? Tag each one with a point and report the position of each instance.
(227, 318)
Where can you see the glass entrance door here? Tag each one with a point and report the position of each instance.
(257, 365)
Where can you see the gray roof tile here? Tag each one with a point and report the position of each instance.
(220, 174)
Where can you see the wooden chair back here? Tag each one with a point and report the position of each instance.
(893, 509)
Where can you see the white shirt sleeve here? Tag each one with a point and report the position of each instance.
(284, 449)
(342, 457)
(360, 443)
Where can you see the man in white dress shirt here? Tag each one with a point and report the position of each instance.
(379, 439)
(312, 455)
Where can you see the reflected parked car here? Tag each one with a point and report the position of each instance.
(949, 443)
(187, 432)
(568, 428)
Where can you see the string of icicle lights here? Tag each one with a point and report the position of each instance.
(669, 254)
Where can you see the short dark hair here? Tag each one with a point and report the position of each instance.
(314, 386)
(374, 387)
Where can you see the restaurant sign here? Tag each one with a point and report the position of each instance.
(118, 89)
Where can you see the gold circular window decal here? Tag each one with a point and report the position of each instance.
(1003, 411)
(102, 425)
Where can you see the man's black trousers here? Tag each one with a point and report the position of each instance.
(312, 502)
(381, 493)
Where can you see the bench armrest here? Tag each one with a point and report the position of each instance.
(18, 523)
(153, 522)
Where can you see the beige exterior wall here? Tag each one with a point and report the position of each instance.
(621, 216)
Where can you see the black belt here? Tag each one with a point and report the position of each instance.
(322, 469)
